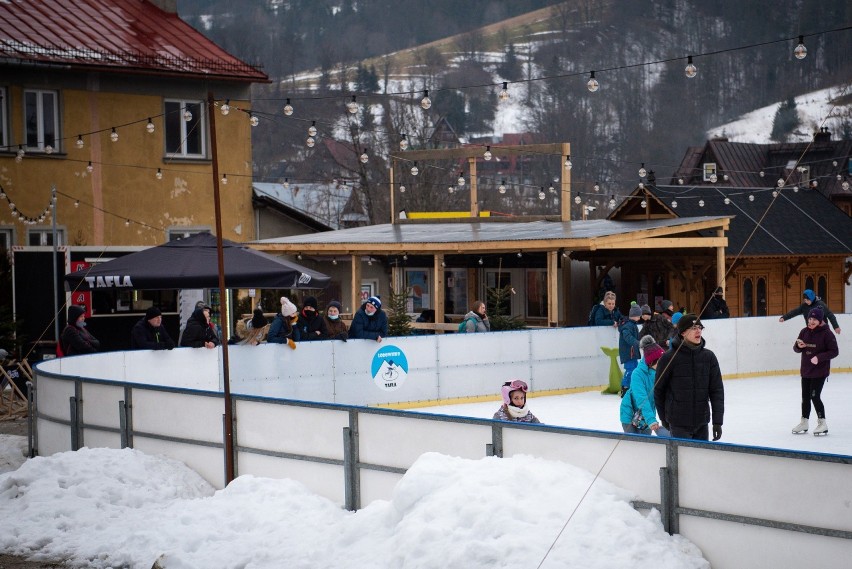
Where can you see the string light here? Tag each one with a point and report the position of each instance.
(187, 116)
(780, 182)
(642, 171)
(76, 203)
(159, 174)
(541, 194)
(401, 189)
(577, 199)
(126, 223)
(89, 167)
(150, 126)
(225, 179)
(520, 254)
(801, 51)
(762, 173)
(504, 93)
(727, 200)
(460, 181)
(674, 204)
(502, 187)
(680, 181)
(352, 106)
(568, 163)
(450, 189)
(426, 102)
(48, 149)
(310, 142)
(480, 261)
(286, 183)
(845, 185)
(113, 135)
(415, 170)
(312, 130)
(253, 120)
(643, 204)
(225, 109)
(79, 142)
(403, 142)
(364, 158)
(288, 108)
(690, 70)
(487, 155)
(751, 197)
(700, 203)
(612, 202)
(713, 178)
(592, 84)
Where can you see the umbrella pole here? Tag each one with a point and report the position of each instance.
(226, 379)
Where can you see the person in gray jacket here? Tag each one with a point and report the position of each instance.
(476, 320)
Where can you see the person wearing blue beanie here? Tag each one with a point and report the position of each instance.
(811, 300)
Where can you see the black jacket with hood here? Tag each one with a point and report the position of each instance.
(689, 385)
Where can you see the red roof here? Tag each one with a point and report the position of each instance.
(130, 35)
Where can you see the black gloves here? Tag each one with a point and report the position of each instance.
(717, 432)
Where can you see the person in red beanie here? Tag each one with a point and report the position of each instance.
(639, 398)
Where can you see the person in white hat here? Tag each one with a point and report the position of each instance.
(281, 329)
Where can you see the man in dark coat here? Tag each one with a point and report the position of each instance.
(660, 326)
(716, 307)
(370, 322)
(811, 300)
(149, 333)
(75, 338)
(689, 385)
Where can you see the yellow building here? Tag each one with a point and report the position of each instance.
(107, 102)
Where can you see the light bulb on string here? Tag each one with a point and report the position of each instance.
(690, 70)
(680, 181)
(504, 93)
(80, 142)
(401, 189)
(596, 187)
(643, 204)
(76, 203)
(89, 167)
(612, 202)
(286, 183)
(502, 187)
(839, 177)
(352, 106)
(700, 203)
(150, 126)
(48, 149)
(487, 154)
(641, 185)
(480, 261)
(780, 182)
(727, 201)
(310, 141)
(159, 174)
(845, 185)
(551, 189)
(334, 261)
(415, 170)
(725, 177)
(426, 102)
(460, 181)
(577, 199)
(113, 136)
(364, 158)
(774, 193)
(519, 255)
(762, 173)
(450, 189)
(21, 152)
(713, 178)
(312, 130)
(592, 84)
(800, 50)
(568, 163)
(225, 179)
(642, 171)
(751, 197)
(541, 194)
(403, 142)
(674, 204)
(225, 109)
(369, 261)
(187, 116)
(253, 120)
(288, 108)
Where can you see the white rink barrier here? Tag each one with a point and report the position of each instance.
(741, 505)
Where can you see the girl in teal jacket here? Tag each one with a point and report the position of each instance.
(641, 393)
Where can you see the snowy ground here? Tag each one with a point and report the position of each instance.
(122, 508)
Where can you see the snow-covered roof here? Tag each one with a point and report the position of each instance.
(325, 202)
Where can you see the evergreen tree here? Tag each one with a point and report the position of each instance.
(499, 301)
(510, 68)
(399, 323)
(786, 120)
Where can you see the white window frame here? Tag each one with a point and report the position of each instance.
(40, 140)
(44, 233)
(199, 114)
(709, 170)
(4, 120)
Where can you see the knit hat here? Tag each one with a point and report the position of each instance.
(646, 341)
(676, 317)
(287, 307)
(202, 305)
(817, 314)
(375, 301)
(509, 387)
(809, 294)
(667, 306)
(310, 301)
(74, 312)
(686, 322)
(635, 310)
(258, 320)
(718, 291)
(334, 304)
(152, 312)
(646, 309)
(653, 353)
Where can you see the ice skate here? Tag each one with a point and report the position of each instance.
(821, 428)
(802, 427)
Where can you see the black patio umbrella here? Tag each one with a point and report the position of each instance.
(192, 263)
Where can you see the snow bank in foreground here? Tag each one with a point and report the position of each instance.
(106, 508)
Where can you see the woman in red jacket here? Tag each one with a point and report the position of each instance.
(818, 345)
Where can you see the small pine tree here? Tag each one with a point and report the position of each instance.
(399, 323)
(499, 300)
(786, 120)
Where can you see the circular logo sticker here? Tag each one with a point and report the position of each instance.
(389, 368)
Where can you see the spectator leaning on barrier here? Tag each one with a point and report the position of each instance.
(605, 313)
(335, 327)
(370, 321)
(281, 329)
(75, 338)
(689, 385)
(811, 300)
(149, 333)
(310, 325)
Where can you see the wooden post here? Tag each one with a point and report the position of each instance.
(552, 289)
(565, 186)
(438, 295)
(720, 264)
(474, 200)
(356, 282)
(390, 183)
(566, 288)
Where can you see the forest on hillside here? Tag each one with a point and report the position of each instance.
(641, 113)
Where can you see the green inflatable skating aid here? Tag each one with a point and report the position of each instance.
(615, 372)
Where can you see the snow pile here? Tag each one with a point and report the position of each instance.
(13, 452)
(106, 508)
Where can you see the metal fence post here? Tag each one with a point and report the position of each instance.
(32, 433)
(73, 426)
(670, 499)
(122, 423)
(351, 471)
(128, 415)
(496, 446)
